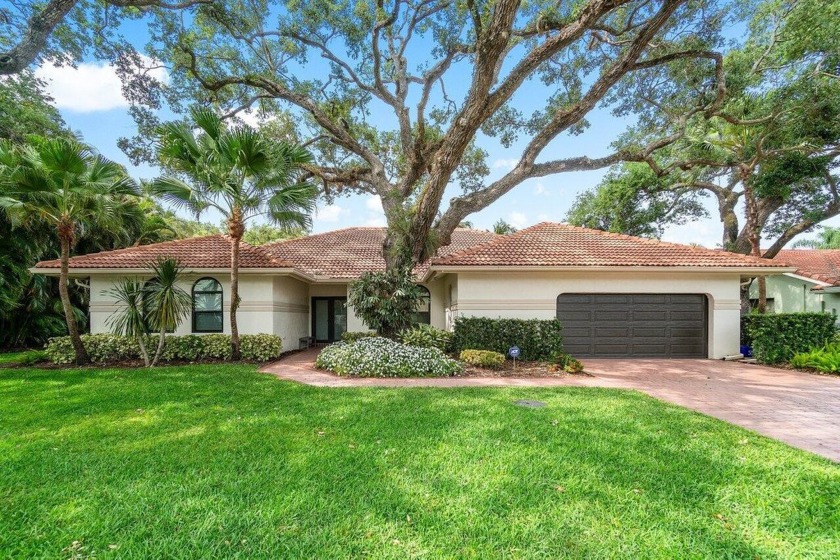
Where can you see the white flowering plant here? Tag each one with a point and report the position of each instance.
(383, 357)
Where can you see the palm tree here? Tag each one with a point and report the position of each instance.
(166, 301)
(827, 238)
(503, 228)
(64, 184)
(240, 173)
(129, 319)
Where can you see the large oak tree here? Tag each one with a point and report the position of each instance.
(392, 96)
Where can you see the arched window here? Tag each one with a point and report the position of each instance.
(423, 315)
(208, 302)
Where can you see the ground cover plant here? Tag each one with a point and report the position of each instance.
(383, 357)
(823, 360)
(220, 461)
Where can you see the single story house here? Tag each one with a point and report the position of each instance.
(617, 295)
(813, 286)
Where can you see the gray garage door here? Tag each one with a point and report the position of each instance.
(634, 325)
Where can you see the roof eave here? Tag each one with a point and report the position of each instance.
(82, 272)
(743, 270)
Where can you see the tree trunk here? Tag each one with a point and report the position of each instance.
(753, 228)
(65, 233)
(143, 351)
(236, 229)
(161, 344)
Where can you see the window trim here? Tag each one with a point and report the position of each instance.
(221, 310)
(416, 314)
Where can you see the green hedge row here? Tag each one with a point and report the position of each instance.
(777, 337)
(108, 348)
(537, 339)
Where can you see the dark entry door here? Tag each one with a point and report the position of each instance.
(329, 318)
(634, 325)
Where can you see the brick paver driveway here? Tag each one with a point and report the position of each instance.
(800, 409)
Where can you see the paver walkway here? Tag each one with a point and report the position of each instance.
(800, 409)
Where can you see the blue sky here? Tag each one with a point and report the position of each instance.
(91, 103)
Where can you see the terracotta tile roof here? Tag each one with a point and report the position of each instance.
(822, 265)
(347, 253)
(212, 251)
(550, 244)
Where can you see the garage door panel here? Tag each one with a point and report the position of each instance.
(650, 315)
(611, 332)
(577, 315)
(634, 325)
(650, 332)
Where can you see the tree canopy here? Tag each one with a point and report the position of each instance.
(398, 93)
(773, 148)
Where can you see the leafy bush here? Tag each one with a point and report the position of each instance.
(353, 336)
(383, 357)
(260, 347)
(483, 358)
(386, 301)
(825, 359)
(567, 363)
(105, 348)
(427, 336)
(776, 338)
(537, 339)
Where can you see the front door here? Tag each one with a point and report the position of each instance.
(329, 318)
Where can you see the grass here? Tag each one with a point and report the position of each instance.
(21, 357)
(220, 461)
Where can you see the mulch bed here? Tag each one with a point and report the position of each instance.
(523, 369)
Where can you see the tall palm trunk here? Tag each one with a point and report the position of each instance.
(236, 229)
(65, 234)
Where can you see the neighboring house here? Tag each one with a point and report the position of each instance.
(814, 286)
(616, 295)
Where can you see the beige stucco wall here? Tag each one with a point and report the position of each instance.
(534, 295)
(792, 294)
(273, 305)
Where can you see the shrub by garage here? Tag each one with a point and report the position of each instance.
(776, 338)
(538, 340)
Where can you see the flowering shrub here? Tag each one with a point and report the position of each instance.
(483, 358)
(427, 336)
(105, 348)
(382, 357)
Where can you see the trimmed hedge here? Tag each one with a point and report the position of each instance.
(537, 339)
(483, 358)
(427, 336)
(109, 348)
(776, 338)
(383, 357)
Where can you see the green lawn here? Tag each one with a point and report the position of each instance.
(221, 461)
(20, 357)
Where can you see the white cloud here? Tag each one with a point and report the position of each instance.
(90, 87)
(543, 218)
(540, 190)
(518, 220)
(330, 213)
(505, 163)
(374, 203)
